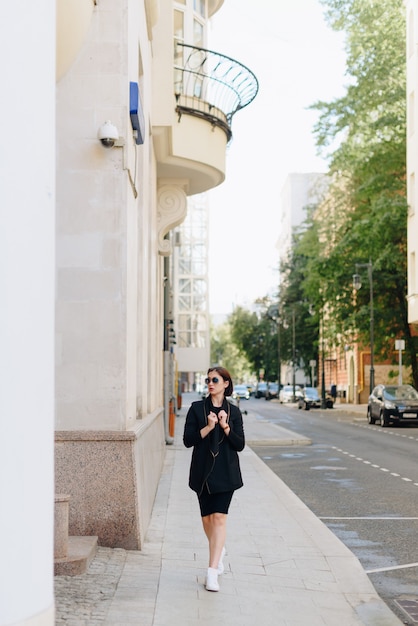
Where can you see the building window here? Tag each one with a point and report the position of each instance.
(411, 34)
(192, 331)
(411, 195)
(412, 288)
(198, 37)
(190, 22)
(411, 114)
(178, 51)
(192, 278)
(200, 7)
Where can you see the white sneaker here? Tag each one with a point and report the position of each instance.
(221, 567)
(212, 579)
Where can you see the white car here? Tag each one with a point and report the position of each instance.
(286, 394)
(241, 391)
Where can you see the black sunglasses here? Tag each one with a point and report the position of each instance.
(215, 380)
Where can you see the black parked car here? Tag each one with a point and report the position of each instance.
(392, 403)
(269, 390)
(309, 399)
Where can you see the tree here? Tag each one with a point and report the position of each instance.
(226, 353)
(255, 335)
(367, 208)
(299, 307)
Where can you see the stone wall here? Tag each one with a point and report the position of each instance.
(112, 478)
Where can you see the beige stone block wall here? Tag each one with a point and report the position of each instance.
(112, 478)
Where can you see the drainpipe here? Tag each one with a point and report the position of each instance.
(167, 397)
(167, 360)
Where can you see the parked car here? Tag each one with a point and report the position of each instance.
(241, 392)
(251, 389)
(392, 403)
(205, 392)
(286, 394)
(272, 390)
(266, 389)
(309, 399)
(260, 390)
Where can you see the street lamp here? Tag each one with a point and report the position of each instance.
(400, 345)
(357, 286)
(274, 314)
(311, 312)
(293, 355)
(323, 398)
(312, 365)
(279, 364)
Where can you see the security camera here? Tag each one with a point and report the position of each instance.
(108, 134)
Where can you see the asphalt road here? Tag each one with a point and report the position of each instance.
(362, 481)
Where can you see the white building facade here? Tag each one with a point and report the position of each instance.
(122, 137)
(142, 67)
(27, 285)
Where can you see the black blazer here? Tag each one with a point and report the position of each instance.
(221, 472)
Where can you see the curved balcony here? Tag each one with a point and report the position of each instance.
(209, 88)
(212, 86)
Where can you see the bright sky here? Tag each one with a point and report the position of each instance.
(298, 60)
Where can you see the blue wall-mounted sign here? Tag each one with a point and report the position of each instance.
(136, 113)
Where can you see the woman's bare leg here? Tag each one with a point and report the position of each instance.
(214, 526)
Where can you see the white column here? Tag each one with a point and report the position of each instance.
(27, 234)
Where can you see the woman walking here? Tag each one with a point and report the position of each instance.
(215, 430)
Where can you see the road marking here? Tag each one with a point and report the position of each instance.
(328, 467)
(386, 518)
(383, 469)
(389, 569)
(385, 431)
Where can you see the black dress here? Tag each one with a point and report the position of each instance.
(214, 470)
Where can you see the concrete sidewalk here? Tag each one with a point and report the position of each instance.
(283, 566)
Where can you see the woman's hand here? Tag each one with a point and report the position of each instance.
(212, 420)
(223, 419)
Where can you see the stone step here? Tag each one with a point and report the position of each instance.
(81, 551)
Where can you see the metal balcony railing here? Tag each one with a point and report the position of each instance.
(212, 86)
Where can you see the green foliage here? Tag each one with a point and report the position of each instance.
(367, 205)
(226, 353)
(299, 310)
(371, 115)
(254, 334)
(364, 215)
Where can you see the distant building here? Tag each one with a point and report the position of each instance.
(300, 191)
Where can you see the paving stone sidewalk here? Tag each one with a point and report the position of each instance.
(284, 567)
